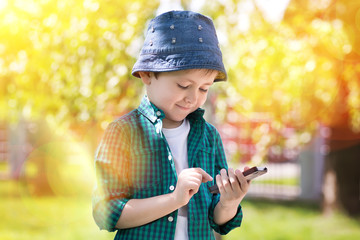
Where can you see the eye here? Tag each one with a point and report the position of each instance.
(203, 90)
(182, 87)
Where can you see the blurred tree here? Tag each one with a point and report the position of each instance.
(302, 72)
(68, 61)
(344, 121)
(66, 64)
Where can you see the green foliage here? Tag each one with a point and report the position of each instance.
(70, 60)
(299, 73)
(298, 70)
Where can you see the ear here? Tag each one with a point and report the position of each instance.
(146, 77)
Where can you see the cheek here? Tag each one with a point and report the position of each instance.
(167, 92)
(173, 93)
(170, 95)
(202, 99)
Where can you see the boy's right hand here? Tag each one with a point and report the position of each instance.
(189, 181)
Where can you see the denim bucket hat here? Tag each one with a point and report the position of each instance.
(180, 40)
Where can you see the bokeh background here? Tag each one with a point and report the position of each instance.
(292, 103)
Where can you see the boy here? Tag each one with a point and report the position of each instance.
(155, 164)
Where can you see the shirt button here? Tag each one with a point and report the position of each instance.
(170, 219)
(172, 188)
(157, 130)
(158, 113)
(169, 157)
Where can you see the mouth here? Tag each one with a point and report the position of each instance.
(183, 108)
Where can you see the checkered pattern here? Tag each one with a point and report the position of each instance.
(132, 162)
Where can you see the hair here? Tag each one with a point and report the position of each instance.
(206, 72)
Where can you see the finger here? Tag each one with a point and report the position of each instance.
(242, 180)
(246, 168)
(225, 180)
(189, 176)
(189, 173)
(193, 186)
(219, 184)
(205, 176)
(192, 183)
(195, 179)
(234, 181)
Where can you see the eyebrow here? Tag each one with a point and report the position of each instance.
(207, 83)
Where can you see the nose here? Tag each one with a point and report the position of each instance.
(191, 97)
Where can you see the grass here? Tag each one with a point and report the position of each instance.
(270, 220)
(38, 218)
(281, 181)
(48, 218)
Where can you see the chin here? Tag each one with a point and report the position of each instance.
(178, 118)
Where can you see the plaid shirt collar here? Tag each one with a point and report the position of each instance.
(153, 113)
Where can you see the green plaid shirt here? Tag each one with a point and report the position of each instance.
(133, 161)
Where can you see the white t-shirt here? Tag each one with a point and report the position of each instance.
(177, 140)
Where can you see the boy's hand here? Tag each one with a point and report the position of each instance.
(232, 186)
(189, 181)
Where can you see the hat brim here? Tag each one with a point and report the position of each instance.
(177, 62)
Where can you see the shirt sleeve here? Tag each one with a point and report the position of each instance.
(112, 189)
(220, 162)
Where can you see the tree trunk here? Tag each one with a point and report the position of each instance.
(342, 180)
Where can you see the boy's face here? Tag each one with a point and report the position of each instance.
(178, 93)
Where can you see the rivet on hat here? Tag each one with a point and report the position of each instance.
(200, 27)
(200, 40)
(152, 29)
(173, 40)
(151, 43)
(172, 27)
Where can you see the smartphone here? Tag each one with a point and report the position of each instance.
(249, 174)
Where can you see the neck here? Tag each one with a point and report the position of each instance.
(171, 124)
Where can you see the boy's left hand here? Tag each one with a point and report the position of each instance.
(232, 186)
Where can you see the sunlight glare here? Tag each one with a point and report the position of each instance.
(3, 4)
(273, 10)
